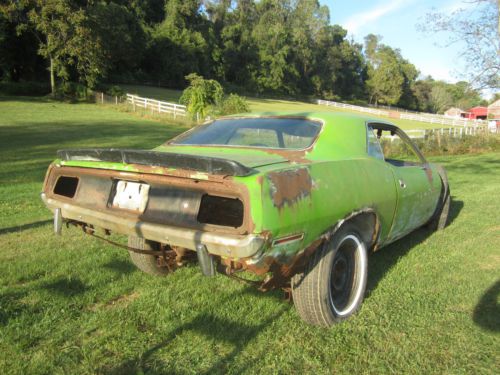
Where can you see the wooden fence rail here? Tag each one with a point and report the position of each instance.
(422, 117)
(156, 105)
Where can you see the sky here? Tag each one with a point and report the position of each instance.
(396, 21)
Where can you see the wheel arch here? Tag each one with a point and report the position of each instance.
(366, 221)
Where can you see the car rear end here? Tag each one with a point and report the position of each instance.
(181, 207)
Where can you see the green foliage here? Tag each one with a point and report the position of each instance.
(24, 88)
(386, 72)
(202, 96)
(232, 104)
(65, 37)
(72, 91)
(444, 144)
(268, 47)
(116, 91)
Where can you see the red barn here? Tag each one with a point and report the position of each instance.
(476, 113)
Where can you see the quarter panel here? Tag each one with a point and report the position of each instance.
(317, 195)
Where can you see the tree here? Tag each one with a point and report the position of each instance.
(275, 71)
(65, 37)
(385, 79)
(19, 57)
(478, 27)
(440, 98)
(390, 76)
(180, 44)
(339, 69)
(123, 41)
(240, 57)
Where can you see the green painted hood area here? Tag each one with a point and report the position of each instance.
(249, 157)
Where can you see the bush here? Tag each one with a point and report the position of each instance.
(202, 96)
(233, 104)
(116, 91)
(25, 88)
(72, 91)
(445, 145)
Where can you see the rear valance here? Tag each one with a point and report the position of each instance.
(211, 165)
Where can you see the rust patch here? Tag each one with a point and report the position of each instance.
(290, 186)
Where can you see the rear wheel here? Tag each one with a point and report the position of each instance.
(332, 286)
(147, 263)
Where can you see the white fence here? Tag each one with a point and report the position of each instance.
(353, 107)
(449, 132)
(156, 105)
(442, 120)
(422, 117)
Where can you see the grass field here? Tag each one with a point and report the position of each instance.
(74, 305)
(267, 105)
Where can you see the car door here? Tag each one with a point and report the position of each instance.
(412, 179)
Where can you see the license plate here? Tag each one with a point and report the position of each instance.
(131, 196)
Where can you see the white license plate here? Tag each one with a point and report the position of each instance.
(131, 196)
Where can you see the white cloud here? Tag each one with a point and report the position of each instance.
(357, 21)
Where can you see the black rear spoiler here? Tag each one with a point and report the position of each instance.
(211, 165)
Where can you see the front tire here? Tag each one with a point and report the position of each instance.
(332, 286)
(147, 263)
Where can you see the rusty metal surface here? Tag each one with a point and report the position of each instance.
(289, 186)
(174, 200)
(223, 244)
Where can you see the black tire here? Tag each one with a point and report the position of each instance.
(439, 219)
(333, 284)
(145, 262)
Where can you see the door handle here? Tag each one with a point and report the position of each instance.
(402, 184)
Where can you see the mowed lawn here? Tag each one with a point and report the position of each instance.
(270, 105)
(75, 305)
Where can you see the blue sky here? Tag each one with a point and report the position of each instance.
(396, 22)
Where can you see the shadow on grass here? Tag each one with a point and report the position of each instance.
(382, 262)
(66, 287)
(120, 266)
(487, 311)
(11, 306)
(216, 328)
(20, 228)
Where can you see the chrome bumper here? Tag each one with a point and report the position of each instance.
(225, 245)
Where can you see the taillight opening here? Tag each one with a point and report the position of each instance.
(222, 211)
(66, 186)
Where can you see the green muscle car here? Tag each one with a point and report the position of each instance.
(300, 199)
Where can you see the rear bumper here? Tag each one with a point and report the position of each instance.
(225, 245)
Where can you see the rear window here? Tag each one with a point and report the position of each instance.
(285, 133)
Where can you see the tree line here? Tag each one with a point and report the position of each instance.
(266, 47)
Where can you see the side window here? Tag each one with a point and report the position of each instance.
(396, 150)
(373, 145)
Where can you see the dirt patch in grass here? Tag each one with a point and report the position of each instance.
(119, 301)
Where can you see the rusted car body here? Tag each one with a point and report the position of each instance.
(262, 193)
